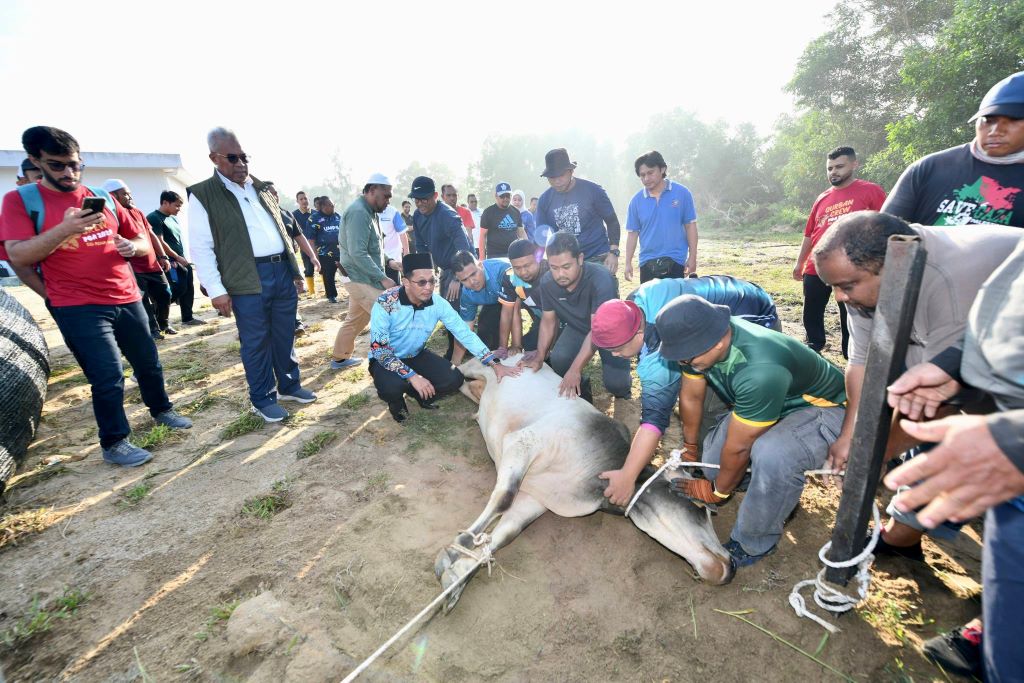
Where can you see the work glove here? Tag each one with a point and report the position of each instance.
(699, 491)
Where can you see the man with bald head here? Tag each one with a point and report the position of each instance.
(239, 245)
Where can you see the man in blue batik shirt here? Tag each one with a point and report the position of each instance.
(401, 322)
(481, 290)
(626, 328)
(325, 226)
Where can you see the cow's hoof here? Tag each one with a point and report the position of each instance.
(450, 577)
(444, 561)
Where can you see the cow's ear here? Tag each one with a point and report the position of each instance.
(474, 389)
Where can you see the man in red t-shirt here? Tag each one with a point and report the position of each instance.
(149, 269)
(93, 295)
(847, 194)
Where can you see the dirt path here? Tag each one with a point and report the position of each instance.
(164, 553)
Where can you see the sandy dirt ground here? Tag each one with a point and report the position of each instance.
(181, 583)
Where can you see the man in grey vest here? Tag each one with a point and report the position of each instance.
(239, 246)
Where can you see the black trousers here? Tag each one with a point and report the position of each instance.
(156, 299)
(441, 373)
(488, 321)
(816, 295)
(328, 269)
(307, 265)
(183, 291)
(647, 271)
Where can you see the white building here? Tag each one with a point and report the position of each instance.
(146, 174)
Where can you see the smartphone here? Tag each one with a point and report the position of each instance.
(93, 204)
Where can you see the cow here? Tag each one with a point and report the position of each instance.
(548, 452)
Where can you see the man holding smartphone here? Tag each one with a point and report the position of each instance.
(92, 292)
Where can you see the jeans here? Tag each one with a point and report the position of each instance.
(183, 291)
(156, 299)
(441, 373)
(266, 330)
(1003, 593)
(614, 371)
(798, 442)
(97, 336)
(816, 294)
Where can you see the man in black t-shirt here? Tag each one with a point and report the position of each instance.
(570, 292)
(500, 224)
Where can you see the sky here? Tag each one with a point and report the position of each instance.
(382, 84)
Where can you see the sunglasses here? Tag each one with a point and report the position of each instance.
(58, 166)
(432, 282)
(235, 158)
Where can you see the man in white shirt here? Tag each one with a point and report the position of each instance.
(239, 246)
(396, 239)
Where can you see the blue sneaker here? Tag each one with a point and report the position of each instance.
(126, 454)
(173, 420)
(271, 413)
(301, 395)
(740, 557)
(342, 364)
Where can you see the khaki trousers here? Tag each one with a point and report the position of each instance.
(360, 302)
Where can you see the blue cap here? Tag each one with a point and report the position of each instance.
(422, 188)
(502, 188)
(1005, 98)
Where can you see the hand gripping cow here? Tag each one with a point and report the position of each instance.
(548, 452)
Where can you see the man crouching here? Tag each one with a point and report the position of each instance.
(401, 322)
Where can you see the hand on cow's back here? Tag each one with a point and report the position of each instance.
(620, 486)
(502, 371)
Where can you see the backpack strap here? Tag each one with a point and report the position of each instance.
(111, 206)
(33, 202)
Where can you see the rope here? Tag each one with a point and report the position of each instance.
(831, 599)
(483, 556)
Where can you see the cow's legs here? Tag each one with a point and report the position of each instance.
(522, 512)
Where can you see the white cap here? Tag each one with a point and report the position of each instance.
(378, 179)
(112, 184)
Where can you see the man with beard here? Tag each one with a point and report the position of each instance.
(89, 283)
(847, 194)
(520, 288)
(500, 225)
(571, 291)
(325, 226)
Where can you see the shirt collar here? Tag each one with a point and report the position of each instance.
(404, 300)
(228, 183)
(668, 186)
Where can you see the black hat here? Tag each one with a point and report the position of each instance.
(27, 166)
(422, 188)
(1005, 98)
(556, 162)
(418, 261)
(689, 326)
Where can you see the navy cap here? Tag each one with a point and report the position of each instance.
(689, 326)
(1005, 98)
(422, 188)
(26, 166)
(502, 188)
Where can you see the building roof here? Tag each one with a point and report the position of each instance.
(168, 163)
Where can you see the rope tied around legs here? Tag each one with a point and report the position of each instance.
(483, 556)
(829, 598)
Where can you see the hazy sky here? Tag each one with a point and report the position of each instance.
(385, 83)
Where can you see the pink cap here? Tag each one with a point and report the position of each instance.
(614, 323)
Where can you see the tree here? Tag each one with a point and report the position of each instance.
(440, 173)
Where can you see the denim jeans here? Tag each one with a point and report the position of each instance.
(97, 336)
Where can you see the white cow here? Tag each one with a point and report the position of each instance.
(548, 452)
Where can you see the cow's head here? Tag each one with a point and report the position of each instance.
(478, 375)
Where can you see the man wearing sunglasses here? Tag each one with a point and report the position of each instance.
(239, 247)
(92, 292)
(402, 320)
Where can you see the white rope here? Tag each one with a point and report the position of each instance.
(675, 460)
(829, 598)
(483, 556)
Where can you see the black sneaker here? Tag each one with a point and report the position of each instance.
(883, 549)
(957, 652)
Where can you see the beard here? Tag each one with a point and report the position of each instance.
(59, 184)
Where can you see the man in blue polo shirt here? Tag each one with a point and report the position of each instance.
(481, 289)
(662, 218)
(325, 224)
(579, 207)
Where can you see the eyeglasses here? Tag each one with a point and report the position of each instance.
(234, 158)
(58, 166)
(432, 282)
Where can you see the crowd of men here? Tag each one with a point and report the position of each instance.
(543, 282)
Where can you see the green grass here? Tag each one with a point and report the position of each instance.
(316, 444)
(355, 401)
(234, 347)
(157, 436)
(207, 330)
(135, 494)
(377, 482)
(41, 618)
(218, 615)
(193, 372)
(426, 427)
(246, 422)
(268, 505)
(198, 404)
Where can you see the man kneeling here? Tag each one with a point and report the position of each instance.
(401, 322)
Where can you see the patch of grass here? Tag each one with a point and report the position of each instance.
(246, 422)
(40, 618)
(198, 404)
(16, 525)
(304, 341)
(207, 330)
(197, 345)
(266, 506)
(157, 436)
(234, 347)
(377, 482)
(314, 327)
(316, 444)
(218, 615)
(193, 372)
(425, 427)
(355, 401)
(354, 375)
(133, 496)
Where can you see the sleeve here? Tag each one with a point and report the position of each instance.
(949, 360)
(546, 298)
(688, 371)
(454, 324)
(157, 224)
(878, 199)
(398, 223)
(607, 212)
(15, 223)
(659, 390)
(1008, 431)
(357, 235)
(507, 295)
(760, 394)
(605, 289)
(812, 219)
(543, 214)
(126, 225)
(860, 335)
(380, 343)
(529, 222)
(689, 209)
(457, 235)
(903, 199)
(633, 214)
(200, 248)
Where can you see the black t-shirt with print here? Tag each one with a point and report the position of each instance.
(502, 229)
(952, 187)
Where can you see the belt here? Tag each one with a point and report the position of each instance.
(273, 258)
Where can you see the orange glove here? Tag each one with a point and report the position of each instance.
(700, 491)
(689, 452)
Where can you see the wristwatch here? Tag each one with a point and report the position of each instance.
(615, 252)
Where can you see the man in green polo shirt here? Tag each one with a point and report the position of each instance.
(787, 409)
